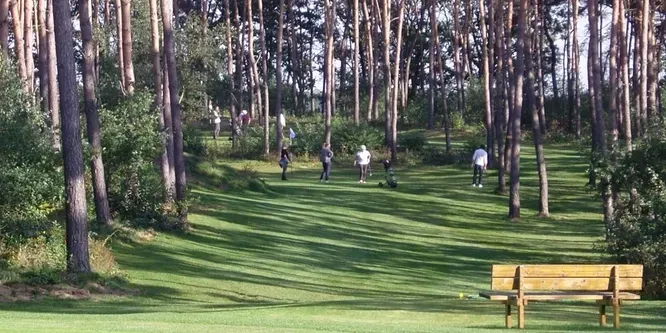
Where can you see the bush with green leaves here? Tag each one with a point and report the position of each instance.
(31, 183)
(347, 138)
(413, 141)
(637, 232)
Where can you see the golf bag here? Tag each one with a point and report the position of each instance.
(389, 175)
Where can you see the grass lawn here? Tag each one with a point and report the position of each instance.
(345, 257)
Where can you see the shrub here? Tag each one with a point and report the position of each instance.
(346, 137)
(193, 141)
(637, 230)
(414, 141)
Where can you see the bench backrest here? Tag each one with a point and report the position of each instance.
(567, 277)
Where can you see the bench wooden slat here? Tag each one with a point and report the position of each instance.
(624, 271)
(541, 296)
(573, 284)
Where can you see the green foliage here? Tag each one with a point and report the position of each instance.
(637, 231)
(414, 141)
(346, 137)
(193, 141)
(31, 184)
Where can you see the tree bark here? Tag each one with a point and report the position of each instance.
(596, 78)
(371, 59)
(329, 20)
(19, 42)
(570, 68)
(75, 192)
(615, 94)
(431, 72)
(293, 41)
(486, 81)
(179, 160)
(624, 72)
(396, 78)
(355, 13)
(278, 78)
(168, 131)
(264, 69)
(386, 26)
(458, 66)
(255, 82)
(653, 69)
(645, 27)
(553, 61)
(536, 125)
(92, 119)
(4, 28)
(128, 63)
(43, 55)
(54, 103)
(119, 44)
(29, 45)
(540, 22)
(230, 72)
(500, 98)
(514, 200)
(576, 68)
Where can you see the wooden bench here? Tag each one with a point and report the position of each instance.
(515, 285)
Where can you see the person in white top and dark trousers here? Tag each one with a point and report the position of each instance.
(217, 121)
(362, 160)
(479, 163)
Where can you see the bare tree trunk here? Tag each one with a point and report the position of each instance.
(596, 78)
(540, 20)
(54, 103)
(614, 95)
(329, 20)
(645, 27)
(486, 80)
(168, 131)
(371, 59)
(536, 126)
(509, 87)
(127, 46)
(653, 70)
(570, 67)
(230, 72)
(75, 192)
(4, 28)
(253, 62)
(355, 13)
(624, 66)
(458, 66)
(239, 42)
(92, 120)
(396, 78)
(293, 41)
(264, 69)
(431, 72)
(440, 67)
(386, 26)
(19, 42)
(179, 159)
(514, 200)
(553, 62)
(576, 67)
(119, 44)
(29, 36)
(278, 78)
(43, 56)
(500, 97)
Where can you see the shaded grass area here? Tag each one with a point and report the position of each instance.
(345, 257)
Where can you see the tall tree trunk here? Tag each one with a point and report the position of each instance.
(624, 74)
(253, 62)
(329, 20)
(431, 72)
(514, 200)
(458, 66)
(230, 72)
(179, 159)
(486, 80)
(396, 78)
(293, 41)
(570, 68)
(355, 13)
(43, 56)
(54, 102)
(119, 44)
(440, 67)
(127, 46)
(264, 69)
(500, 98)
(371, 59)
(553, 59)
(576, 67)
(536, 125)
(29, 36)
(168, 131)
(596, 78)
(645, 35)
(19, 42)
(92, 119)
(4, 28)
(653, 70)
(540, 20)
(614, 95)
(239, 42)
(278, 78)
(509, 87)
(159, 98)
(386, 26)
(636, 72)
(75, 192)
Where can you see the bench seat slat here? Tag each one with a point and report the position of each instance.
(544, 296)
(566, 283)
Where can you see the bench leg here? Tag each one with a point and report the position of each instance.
(521, 314)
(602, 315)
(507, 314)
(616, 313)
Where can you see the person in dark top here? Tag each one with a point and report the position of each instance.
(325, 157)
(284, 161)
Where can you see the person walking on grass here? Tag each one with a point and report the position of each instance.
(479, 163)
(217, 121)
(362, 160)
(284, 161)
(325, 157)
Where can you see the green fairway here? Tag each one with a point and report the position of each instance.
(348, 257)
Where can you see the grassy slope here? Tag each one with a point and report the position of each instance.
(342, 257)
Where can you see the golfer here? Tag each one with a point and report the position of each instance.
(325, 157)
(479, 163)
(362, 160)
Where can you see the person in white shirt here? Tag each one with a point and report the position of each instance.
(479, 163)
(362, 160)
(217, 121)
